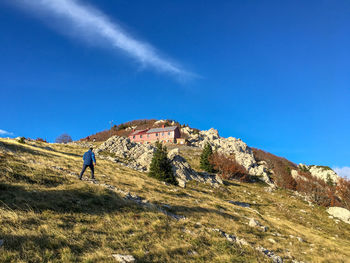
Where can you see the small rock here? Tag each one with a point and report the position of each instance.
(124, 258)
(254, 223)
(300, 239)
(272, 240)
(1, 242)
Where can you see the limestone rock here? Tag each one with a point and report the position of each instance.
(230, 146)
(124, 258)
(323, 172)
(134, 155)
(138, 156)
(254, 223)
(341, 213)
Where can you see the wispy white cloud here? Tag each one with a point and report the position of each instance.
(3, 132)
(343, 171)
(88, 22)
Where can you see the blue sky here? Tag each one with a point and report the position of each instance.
(274, 73)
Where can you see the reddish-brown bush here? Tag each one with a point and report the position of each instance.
(343, 192)
(317, 189)
(321, 192)
(280, 166)
(40, 140)
(228, 167)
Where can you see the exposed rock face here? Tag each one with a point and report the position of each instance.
(341, 213)
(243, 153)
(322, 172)
(134, 155)
(139, 156)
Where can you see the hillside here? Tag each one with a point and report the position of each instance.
(47, 215)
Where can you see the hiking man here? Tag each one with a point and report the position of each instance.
(89, 160)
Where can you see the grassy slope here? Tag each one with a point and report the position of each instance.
(47, 215)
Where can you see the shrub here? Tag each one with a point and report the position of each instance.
(160, 167)
(343, 191)
(64, 138)
(40, 140)
(280, 166)
(284, 178)
(317, 189)
(206, 155)
(228, 167)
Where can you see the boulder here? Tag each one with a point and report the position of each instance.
(341, 213)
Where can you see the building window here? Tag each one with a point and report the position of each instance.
(157, 134)
(140, 136)
(147, 135)
(162, 133)
(168, 133)
(133, 137)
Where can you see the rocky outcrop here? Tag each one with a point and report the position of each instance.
(120, 149)
(322, 172)
(230, 146)
(341, 213)
(184, 173)
(139, 156)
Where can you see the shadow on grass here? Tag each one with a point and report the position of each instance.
(80, 200)
(28, 247)
(18, 149)
(191, 210)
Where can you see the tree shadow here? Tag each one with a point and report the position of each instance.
(82, 200)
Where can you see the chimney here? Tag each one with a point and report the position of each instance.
(163, 126)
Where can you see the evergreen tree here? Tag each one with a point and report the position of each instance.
(205, 159)
(160, 167)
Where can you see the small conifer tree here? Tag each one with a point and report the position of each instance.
(206, 155)
(160, 167)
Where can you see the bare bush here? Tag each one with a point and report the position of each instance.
(64, 138)
(228, 167)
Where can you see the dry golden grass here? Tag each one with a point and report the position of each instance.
(47, 215)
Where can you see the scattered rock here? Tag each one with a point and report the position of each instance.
(1, 242)
(124, 258)
(270, 254)
(341, 213)
(255, 223)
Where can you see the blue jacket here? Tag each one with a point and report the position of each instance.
(89, 157)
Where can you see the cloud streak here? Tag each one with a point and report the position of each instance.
(83, 20)
(343, 171)
(3, 132)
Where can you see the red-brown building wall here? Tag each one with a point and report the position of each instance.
(166, 136)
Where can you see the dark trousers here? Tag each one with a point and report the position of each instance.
(84, 168)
